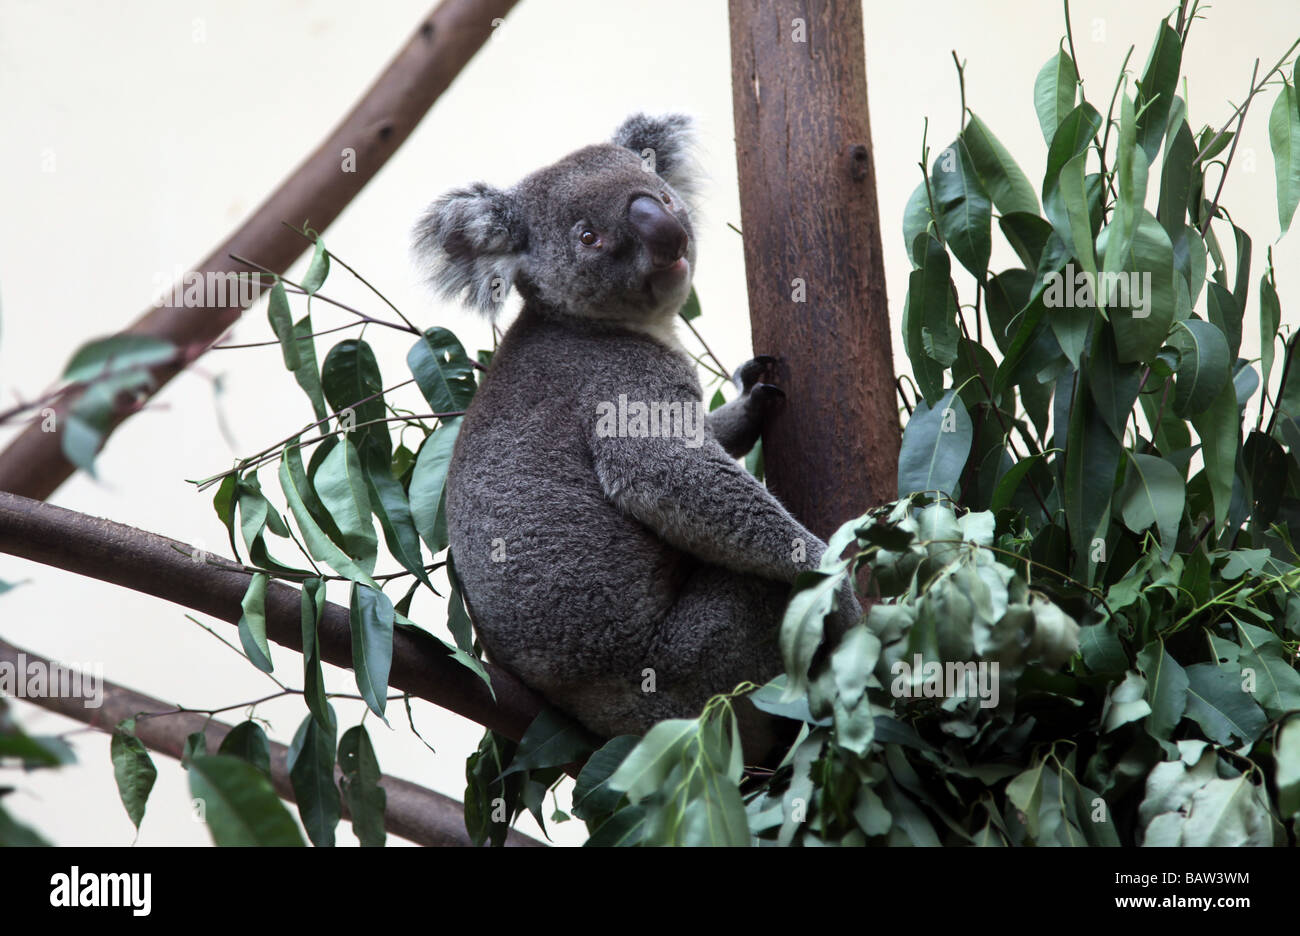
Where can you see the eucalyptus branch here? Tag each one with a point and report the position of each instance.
(365, 282)
(1255, 89)
(1110, 112)
(268, 457)
(1093, 590)
(961, 83)
(725, 375)
(208, 482)
(276, 341)
(1232, 151)
(1069, 36)
(368, 319)
(410, 811)
(271, 676)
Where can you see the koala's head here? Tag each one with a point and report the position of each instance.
(603, 233)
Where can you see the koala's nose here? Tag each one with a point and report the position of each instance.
(658, 230)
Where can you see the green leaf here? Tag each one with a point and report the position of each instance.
(1217, 427)
(1113, 386)
(117, 354)
(936, 444)
(1226, 315)
(1203, 366)
(645, 769)
(1217, 702)
(1007, 185)
(307, 374)
(1005, 295)
(965, 213)
(1266, 465)
(442, 370)
(1153, 493)
(366, 799)
(1011, 481)
(1286, 755)
(293, 482)
(691, 310)
(916, 220)
(1125, 703)
(312, 611)
(803, 625)
(1189, 260)
(389, 502)
(1102, 650)
(239, 804)
(196, 745)
(1176, 180)
(428, 490)
(1284, 140)
(278, 314)
(1142, 324)
(1270, 318)
(592, 795)
(94, 414)
(1156, 89)
(1027, 234)
(317, 270)
(853, 663)
(461, 628)
(1054, 92)
(1075, 196)
(133, 770)
(311, 773)
(551, 740)
(249, 743)
(929, 309)
(1091, 460)
(349, 376)
(341, 486)
(252, 623)
(1262, 656)
(372, 618)
(1131, 167)
(1166, 689)
(1076, 132)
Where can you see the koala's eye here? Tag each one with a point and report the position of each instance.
(589, 239)
(667, 199)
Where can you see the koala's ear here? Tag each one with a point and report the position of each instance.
(665, 145)
(470, 243)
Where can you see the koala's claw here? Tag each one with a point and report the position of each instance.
(752, 370)
(766, 394)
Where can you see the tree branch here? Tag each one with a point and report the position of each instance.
(411, 811)
(33, 465)
(165, 568)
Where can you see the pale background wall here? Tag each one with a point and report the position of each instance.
(165, 122)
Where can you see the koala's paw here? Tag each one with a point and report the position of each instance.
(749, 373)
(753, 377)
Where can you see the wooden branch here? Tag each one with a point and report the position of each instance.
(809, 213)
(413, 812)
(33, 465)
(162, 567)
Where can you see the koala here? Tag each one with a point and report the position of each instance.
(613, 553)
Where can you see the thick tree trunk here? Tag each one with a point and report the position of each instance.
(812, 254)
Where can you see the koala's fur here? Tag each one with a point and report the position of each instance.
(590, 561)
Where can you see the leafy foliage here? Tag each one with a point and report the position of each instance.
(1086, 619)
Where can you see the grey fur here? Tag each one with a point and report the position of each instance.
(592, 560)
